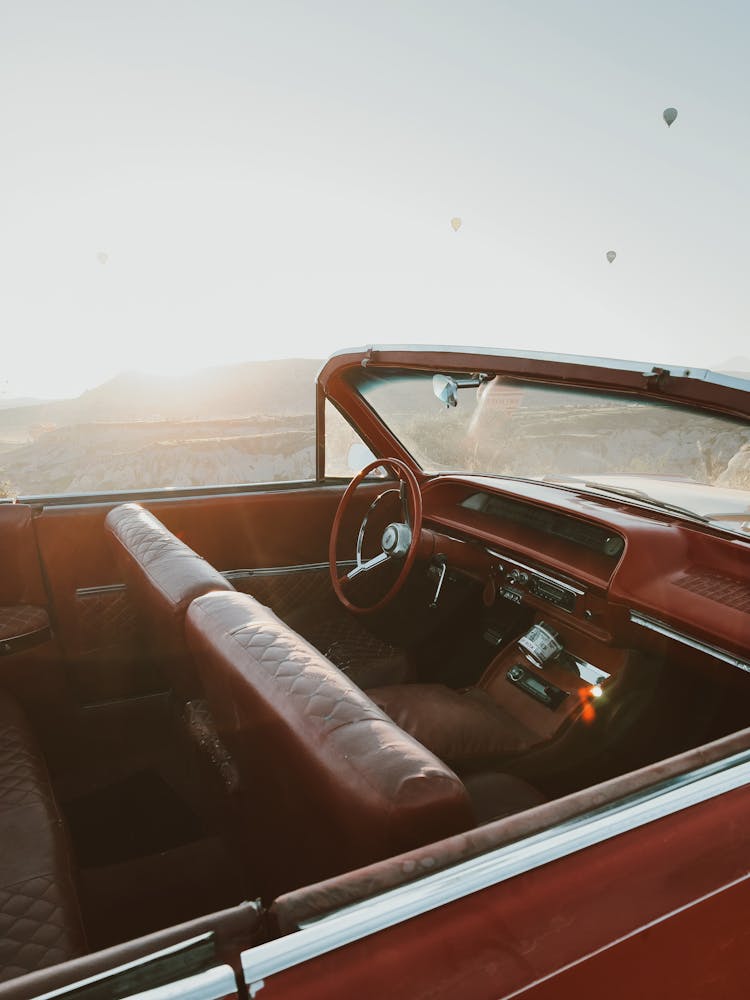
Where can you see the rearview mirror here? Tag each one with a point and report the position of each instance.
(445, 389)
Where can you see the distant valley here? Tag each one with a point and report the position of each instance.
(251, 422)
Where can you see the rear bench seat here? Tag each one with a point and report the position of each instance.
(40, 922)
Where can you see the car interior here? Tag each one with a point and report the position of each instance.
(208, 704)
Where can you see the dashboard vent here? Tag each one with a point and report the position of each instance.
(719, 588)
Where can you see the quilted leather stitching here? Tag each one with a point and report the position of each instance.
(39, 920)
(137, 534)
(22, 774)
(318, 694)
(339, 636)
(106, 619)
(287, 593)
(35, 922)
(155, 551)
(21, 619)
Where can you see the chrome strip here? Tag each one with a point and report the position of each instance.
(110, 588)
(663, 629)
(587, 671)
(61, 991)
(405, 902)
(536, 572)
(213, 984)
(677, 371)
(237, 574)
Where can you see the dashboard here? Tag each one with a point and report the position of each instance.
(603, 570)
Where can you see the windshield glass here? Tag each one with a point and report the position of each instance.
(639, 449)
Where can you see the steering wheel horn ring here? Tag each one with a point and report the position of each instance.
(399, 539)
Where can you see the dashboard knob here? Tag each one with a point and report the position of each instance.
(518, 576)
(515, 673)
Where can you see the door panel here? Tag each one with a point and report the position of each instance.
(267, 528)
(29, 651)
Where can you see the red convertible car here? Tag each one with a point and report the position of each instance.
(473, 723)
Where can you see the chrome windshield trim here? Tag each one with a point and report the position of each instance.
(654, 625)
(109, 588)
(238, 574)
(677, 371)
(405, 902)
(536, 572)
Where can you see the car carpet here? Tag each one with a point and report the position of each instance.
(131, 898)
(136, 816)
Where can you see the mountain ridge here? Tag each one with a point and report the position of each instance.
(248, 388)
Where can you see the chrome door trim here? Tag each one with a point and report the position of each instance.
(703, 647)
(109, 588)
(98, 977)
(405, 902)
(237, 574)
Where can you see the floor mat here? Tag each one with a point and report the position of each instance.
(125, 900)
(136, 816)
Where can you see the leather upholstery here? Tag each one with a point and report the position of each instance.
(163, 576)
(330, 782)
(21, 619)
(462, 728)
(105, 619)
(495, 795)
(307, 603)
(39, 919)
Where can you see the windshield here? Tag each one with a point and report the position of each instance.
(639, 449)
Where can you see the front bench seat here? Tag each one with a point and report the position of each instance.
(40, 922)
(328, 781)
(163, 576)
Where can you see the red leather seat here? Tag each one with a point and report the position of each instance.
(163, 576)
(40, 923)
(330, 782)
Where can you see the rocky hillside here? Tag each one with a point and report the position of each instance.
(149, 454)
(251, 422)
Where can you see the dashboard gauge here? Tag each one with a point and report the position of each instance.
(541, 642)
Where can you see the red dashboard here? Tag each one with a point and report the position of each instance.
(602, 570)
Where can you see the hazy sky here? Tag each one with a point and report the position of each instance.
(278, 178)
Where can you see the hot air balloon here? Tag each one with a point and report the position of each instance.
(669, 115)
(611, 255)
(102, 257)
(456, 224)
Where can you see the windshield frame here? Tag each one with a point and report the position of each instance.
(701, 390)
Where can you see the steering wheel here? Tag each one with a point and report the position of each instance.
(399, 540)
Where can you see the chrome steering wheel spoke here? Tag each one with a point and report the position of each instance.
(365, 519)
(365, 567)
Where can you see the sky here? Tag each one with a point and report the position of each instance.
(187, 184)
